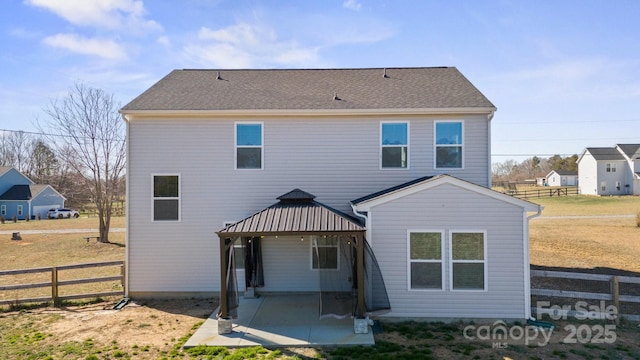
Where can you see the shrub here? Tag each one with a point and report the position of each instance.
(638, 219)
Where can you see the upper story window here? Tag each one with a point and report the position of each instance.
(468, 260)
(394, 145)
(611, 167)
(249, 152)
(425, 260)
(166, 197)
(449, 144)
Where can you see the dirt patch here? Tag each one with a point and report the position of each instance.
(153, 323)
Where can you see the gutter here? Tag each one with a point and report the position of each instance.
(354, 208)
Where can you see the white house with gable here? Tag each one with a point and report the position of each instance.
(610, 170)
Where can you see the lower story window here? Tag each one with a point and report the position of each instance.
(425, 259)
(20, 210)
(468, 265)
(324, 253)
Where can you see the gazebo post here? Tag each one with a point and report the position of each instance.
(360, 323)
(360, 310)
(224, 323)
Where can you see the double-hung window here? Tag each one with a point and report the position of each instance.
(20, 210)
(468, 260)
(394, 145)
(324, 253)
(249, 139)
(166, 197)
(3, 210)
(449, 144)
(425, 260)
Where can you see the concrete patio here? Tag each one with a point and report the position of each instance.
(280, 321)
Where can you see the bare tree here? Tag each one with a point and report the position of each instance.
(88, 134)
(15, 149)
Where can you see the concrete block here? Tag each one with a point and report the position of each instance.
(225, 326)
(361, 326)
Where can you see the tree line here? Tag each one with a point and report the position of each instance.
(79, 150)
(531, 168)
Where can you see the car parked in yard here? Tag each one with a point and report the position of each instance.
(62, 213)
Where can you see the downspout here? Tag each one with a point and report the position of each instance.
(527, 263)
(489, 117)
(365, 218)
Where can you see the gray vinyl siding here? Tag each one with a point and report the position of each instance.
(447, 207)
(336, 159)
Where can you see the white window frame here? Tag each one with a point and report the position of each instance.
(20, 210)
(235, 144)
(179, 198)
(390, 146)
(3, 210)
(441, 261)
(312, 249)
(436, 145)
(485, 260)
(603, 186)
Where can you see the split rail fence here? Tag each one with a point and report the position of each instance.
(56, 283)
(543, 192)
(626, 301)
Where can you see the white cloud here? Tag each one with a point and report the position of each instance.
(352, 4)
(126, 15)
(244, 45)
(164, 41)
(104, 48)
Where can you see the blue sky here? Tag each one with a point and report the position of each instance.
(564, 75)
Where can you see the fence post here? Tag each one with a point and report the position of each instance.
(54, 285)
(615, 292)
(123, 281)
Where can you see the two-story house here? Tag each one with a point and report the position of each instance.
(306, 170)
(23, 199)
(610, 170)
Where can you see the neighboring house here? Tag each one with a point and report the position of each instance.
(610, 170)
(22, 198)
(299, 167)
(561, 178)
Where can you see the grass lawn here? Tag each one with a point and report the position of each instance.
(606, 242)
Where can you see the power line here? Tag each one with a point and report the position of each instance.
(52, 135)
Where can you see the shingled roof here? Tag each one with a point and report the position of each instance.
(311, 89)
(605, 153)
(631, 150)
(22, 192)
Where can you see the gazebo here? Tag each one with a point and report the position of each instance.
(298, 214)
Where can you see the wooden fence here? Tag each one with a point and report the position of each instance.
(55, 283)
(613, 296)
(543, 192)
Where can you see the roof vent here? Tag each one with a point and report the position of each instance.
(335, 96)
(218, 77)
(384, 74)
